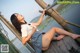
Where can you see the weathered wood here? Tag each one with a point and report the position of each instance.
(62, 46)
(54, 14)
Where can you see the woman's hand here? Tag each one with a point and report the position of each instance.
(40, 19)
(44, 11)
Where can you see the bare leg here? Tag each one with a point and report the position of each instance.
(46, 38)
(62, 31)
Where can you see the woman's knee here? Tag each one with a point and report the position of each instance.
(55, 28)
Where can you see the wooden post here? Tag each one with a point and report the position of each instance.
(54, 14)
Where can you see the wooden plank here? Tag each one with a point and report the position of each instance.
(56, 47)
(62, 46)
(71, 43)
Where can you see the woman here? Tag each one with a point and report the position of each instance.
(39, 40)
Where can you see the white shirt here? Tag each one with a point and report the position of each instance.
(26, 29)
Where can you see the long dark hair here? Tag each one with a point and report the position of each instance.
(16, 23)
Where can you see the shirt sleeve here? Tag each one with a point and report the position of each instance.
(33, 25)
(23, 31)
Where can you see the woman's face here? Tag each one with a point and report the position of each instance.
(20, 18)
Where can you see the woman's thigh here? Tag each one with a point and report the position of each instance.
(46, 38)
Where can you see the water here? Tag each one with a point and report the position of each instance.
(72, 14)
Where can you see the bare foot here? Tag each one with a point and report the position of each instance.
(59, 37)
(75, 36)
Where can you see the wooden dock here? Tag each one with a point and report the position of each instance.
(66, 45)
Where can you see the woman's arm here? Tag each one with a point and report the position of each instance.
(27, 38)
(40, 19)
